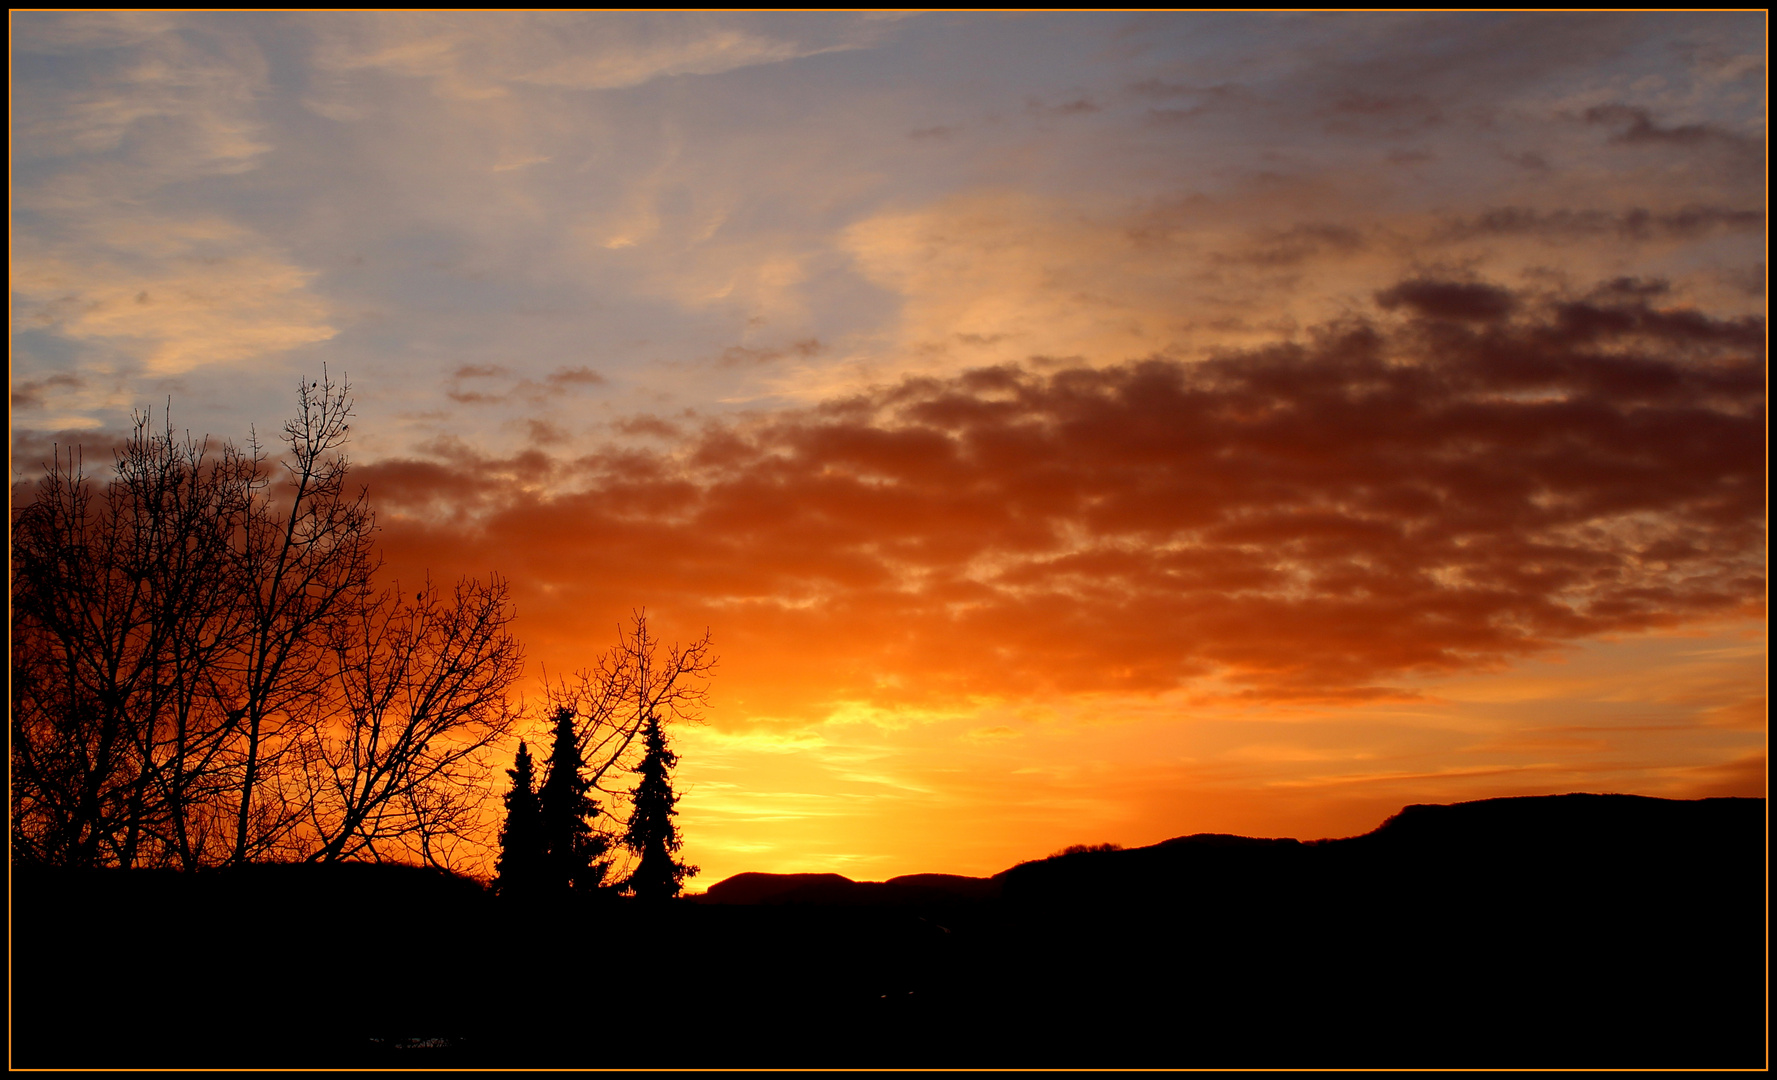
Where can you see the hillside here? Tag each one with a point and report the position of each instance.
(1567, 930)
(1559, 840)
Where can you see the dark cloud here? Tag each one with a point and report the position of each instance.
(1439, 491)
(1355, 111)
(648, 425)
(563, 380)
(544, 433)
(34, 393)
(1298, 244)
(744, 356)
(34, 448)
(1601, 320)
(474, 397)
(580, 376)
(1635, 125)
(1400, 75)
(1449, 300)
(453, 483)
(478, 371)
(1635, 223)
(1632, 288)
(1741, 160)
(1075, 107)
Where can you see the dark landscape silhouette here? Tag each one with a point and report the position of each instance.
(825, 441)
(1572, 930)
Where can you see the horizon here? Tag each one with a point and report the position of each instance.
(1070, 428)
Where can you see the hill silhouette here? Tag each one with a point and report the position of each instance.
(1578, 930)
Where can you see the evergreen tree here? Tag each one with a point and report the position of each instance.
(572, 851)
(652, 834)
(521, 837)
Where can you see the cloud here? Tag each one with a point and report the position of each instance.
(174, 99)
(119, 276)
(1027, 275)
(1448, 300)
(1636, 125)
(1298, 244)
(1634, 224)
(171, 295)
(648, 426)
(708, 53)
(481, 57)
(35, 393)
(1471, 480)
(564, 377)
(1703, 148)
(1077, 107)
(742, 356)
(562, 381)
(1016, 276)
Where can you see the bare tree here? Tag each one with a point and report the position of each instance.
(113, 739)
(395, 759)
(299, 565)
(636, 679)
(192, 507)
(77, 651)
(204, 672)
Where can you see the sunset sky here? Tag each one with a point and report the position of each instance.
(1070, 427)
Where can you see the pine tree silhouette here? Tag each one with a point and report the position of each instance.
(572, 851)
(651, 833)
(521, 837)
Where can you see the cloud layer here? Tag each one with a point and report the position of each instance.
(1469, 474)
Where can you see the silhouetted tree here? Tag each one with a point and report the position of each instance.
(652, 835)
(520, 862)
(299, 561)
(392, 754)
(631, 682)
(572, 849)
(203, 671)
(126, 612)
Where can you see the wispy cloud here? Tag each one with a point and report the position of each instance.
(173, 295)
(711, 52)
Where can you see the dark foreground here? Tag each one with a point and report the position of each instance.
(1571, 930)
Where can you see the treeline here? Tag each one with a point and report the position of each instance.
(207, 669)
(552, 844)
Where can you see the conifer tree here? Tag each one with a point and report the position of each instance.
(652, 834)
(572, 851)
(521, 837)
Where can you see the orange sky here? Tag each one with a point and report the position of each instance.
(1070, 427)
(1285, 590)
